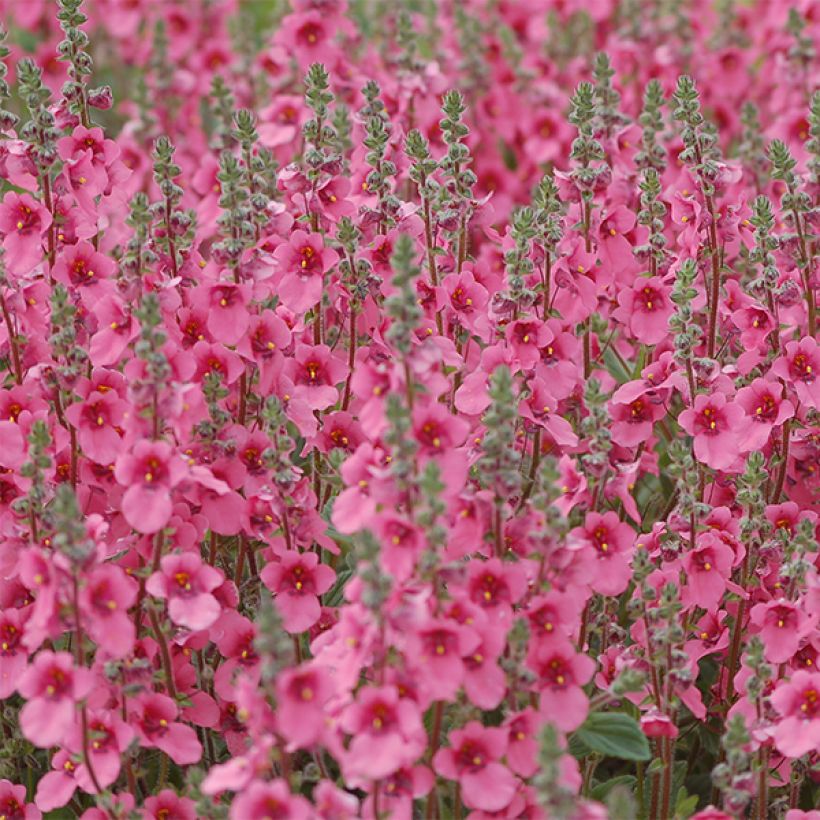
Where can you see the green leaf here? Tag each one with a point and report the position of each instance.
(614, 734)
(686, 803)
(601, 790)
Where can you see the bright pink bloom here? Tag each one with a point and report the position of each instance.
(109, 737)
(472, 759)
(646, 309)
(226, 306)
(302, 694)
(316, 372)
(272, 799)
(765, 408)
(57, 787)
(436, 652)
(13, 804)
(782, 625)
(52, 686)
(154, 717)
(23, 221)
(717, 427)
(522, 742)
(799, 367)
(526, 337)
(656, 724)
(298, 579)
(387, 733)
(13, 655)
(607, 551)
(150, 471)
(634, 421)
(187, 583)
(96, 420)
(80, 266)
(168, 805)
(708, 568)
(303, 260)
(106, 596)
(495, 586)
(798, 702)
(560, 674)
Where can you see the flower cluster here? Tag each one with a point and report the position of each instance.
(409, 409)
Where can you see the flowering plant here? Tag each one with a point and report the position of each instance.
(409, 409)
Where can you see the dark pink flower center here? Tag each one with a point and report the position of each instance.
(10, 809)
(802, 368)
(472, 756)
(709, 421)
(381, 718)
(556, 672)
(27, 220)
(810, 705)
(298, 580)
(649, 300)
(9, 639)
(460, 299)
(57, 683)
(309, 261)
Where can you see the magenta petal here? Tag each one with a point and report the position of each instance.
(54, 790)
(300, 612)
(45, 723)
(180, 743)
(147, 511)
(197, 612)
(489, 789)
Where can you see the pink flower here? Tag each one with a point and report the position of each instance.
(560, 674)
(526, 337)
(109, 737)
(187, 583)
(465, 301)
(304, 260)
(80, 266)
(302, 694)
(226, 305)
(106, 596)
(168, 805)
(798, 702)
(315, 372)
(656, 724)
(495, 586)
(387, 733)
(150, 471)
(297, 579)
(96, 420)
(23, 221)
(607, 550)
(52, 686)
(437, 649)
(646, 309)
(57, 787)
(472, 760)
(765, 408)
(708, 568)
(522, 745)
(309, 37)
(13, 804)
(633, 421)
(798, 367)
(154, 717)
(13, 656)
(717, 427)
(271, 799)
(782, 625)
